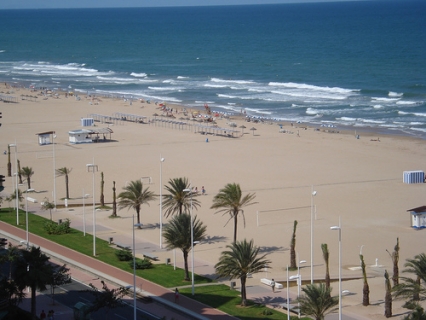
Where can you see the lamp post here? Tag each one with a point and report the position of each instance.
(134, 270)
(54, 168)
(192, 243)
(161, 201)
(91, 167)
(339, 228)
(288, 298)
(84, 214)
(313, 193)
(16, 182)
(26, 222)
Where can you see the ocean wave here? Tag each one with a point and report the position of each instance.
(406, 102)
(378, 106)
(312, 87)
(348, 119)
(232, 81)
(182, 77)
(395, 94)
(214, 85)
(139, 75)
(166, 88)
(384, 99)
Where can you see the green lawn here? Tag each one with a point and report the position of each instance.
(218, 296)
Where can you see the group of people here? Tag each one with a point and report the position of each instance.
(49, 316)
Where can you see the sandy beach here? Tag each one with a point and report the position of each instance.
(358, 181)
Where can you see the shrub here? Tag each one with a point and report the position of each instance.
(124, 255)
(141, 264)
(57, 228)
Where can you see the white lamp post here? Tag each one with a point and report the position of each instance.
(91, 167)
(84, 214)
(339, 228)
(26, 222)
(313, 193)
(192, 243)
(54, 168)
(134, 270)
(288, 298)
(161, 201)
(16, 182)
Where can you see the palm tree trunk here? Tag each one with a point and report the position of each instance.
(33, 302)
(67, 187)
(235, 226)
(293, 264)
(29, 182)
(138, 210)
(9, 164)
(243, 291)
(114, 200)
(388, 296)
(185, 259)
(19, 172)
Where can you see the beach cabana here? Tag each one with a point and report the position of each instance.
(89, 136)
(45, 137)
(418, 217)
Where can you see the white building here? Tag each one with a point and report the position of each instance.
(89, 135)
(418, 217)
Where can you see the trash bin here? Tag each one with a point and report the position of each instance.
(168, 261)
(59, 221)
(233, 284)
(111, 240)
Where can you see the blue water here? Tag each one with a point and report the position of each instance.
(334, 64)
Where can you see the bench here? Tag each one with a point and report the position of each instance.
(150, 256)
(122, 246)
(269, 283)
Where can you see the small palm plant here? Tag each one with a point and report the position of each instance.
(177, 235)
(317, 301)
(27, 172)
(230, 200)
(241, 258)
(134, 196)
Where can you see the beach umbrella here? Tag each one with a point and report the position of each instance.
(253, 129)
(242, 127)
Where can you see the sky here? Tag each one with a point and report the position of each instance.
(47, 4)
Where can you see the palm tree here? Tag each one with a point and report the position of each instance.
(178, 200)
(64, 172)
(34, 271)
(102, 198)
(114, 200)
(11, 256)
(413, 289)
(366, 288)
(293, 264)
(177, 234)
(19, 171)
(46, 205)
(395, 259)
(241, 259)
(12, 196)
(317, 301)
(134, 196)
(230, 200)
(326, 256)
(388, 296)
(27, 172)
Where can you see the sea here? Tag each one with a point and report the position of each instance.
(358, 65)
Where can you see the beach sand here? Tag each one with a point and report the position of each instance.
(358, 181)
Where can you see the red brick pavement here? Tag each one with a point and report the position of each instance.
(115, 273)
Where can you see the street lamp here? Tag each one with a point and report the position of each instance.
(54, 168)
(339, 228)
(16, 181)
(134, 270)
(288, 298)
(91, 167)
(299, 283)
(26, 223)
(161, 201)
(313, 193)
(192, 242)
(84, 214)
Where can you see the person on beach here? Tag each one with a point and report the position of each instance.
(203, 191)
(176, 295)
(42, 315)
(273, 285)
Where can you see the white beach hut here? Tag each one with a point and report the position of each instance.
(418, 217)
(89, 136)
(45, 137)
